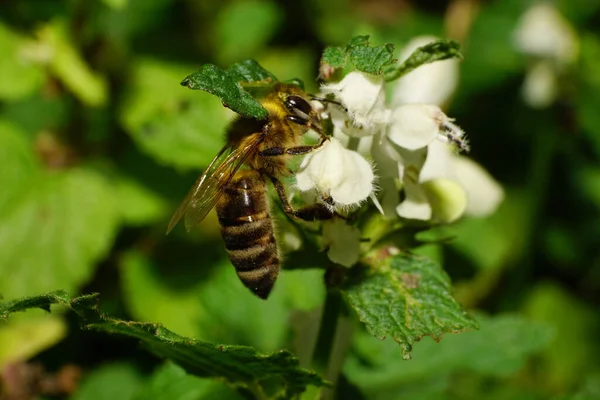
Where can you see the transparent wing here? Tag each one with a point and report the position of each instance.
(207, 190)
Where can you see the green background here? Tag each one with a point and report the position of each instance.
(99, 143)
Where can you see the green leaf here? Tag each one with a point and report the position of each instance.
(575, 346)
(362, 56)
(116, 4)
(172, 382)
(334, 56)
(242, 28)
(492, 57)
(250, 71)
(176, 127)
(234, 364)
(137, 203)
(587, 101)
(500, 348)
(68, 65)
(43, 301)
(27, 335)
(55, 224)
(151, 294)
(20, 166)
(372, 60)
(110, 382)
(19, 74)
(226, 86)
(405, 297)
(434, 51)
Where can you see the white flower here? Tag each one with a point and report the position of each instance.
(334, 171)
(484, 193)
(363, 95)
(414, 126)
(543, 32)
(540, 88)
(342, 242)
(440, 185)
(432, 83)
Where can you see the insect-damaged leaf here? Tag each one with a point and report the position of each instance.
(228, 85)
(434, 51)
(363, 57)
(405, 297)
(234, 364)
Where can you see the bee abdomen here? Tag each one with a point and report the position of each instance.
(247, 231)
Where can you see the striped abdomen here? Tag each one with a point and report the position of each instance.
(247, 230)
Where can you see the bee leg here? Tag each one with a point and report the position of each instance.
(294, 151)
(316, 212)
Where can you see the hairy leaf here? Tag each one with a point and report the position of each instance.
(239, 365)
(250, 71)
(435, 51)
(362, 56)
(405, 297)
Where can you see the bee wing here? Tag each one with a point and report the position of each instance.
(207, 190)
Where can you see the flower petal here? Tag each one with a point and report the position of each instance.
(430, 83)
(484, 193)
(414, 126)
(363, 95)
(415, 205)
(342, 241)
(336, 171)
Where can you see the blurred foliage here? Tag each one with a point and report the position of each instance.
(98, 143)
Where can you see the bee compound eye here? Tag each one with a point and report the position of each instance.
(297, 103)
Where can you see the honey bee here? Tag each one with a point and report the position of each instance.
(235, 182)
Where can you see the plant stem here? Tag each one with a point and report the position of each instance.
(323, 351)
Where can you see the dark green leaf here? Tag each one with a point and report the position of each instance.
(250, 71)
(435, 51)
(405, 297)
(226, 86)
(42, 301)
(234, 364)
